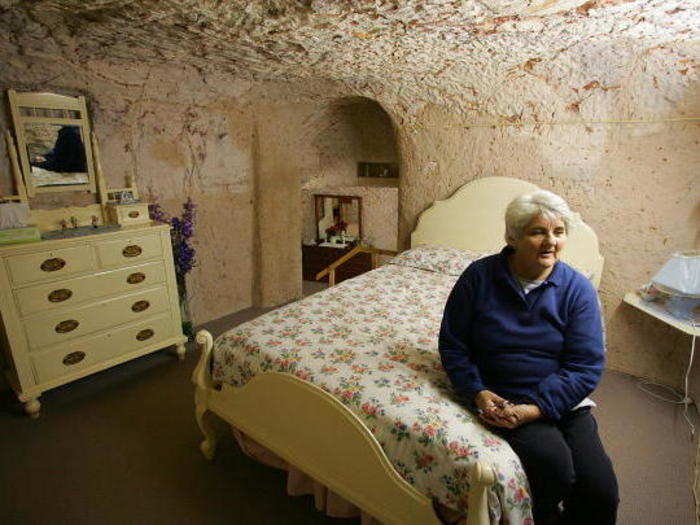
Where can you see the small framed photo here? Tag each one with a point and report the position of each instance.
(121, 196)
(378, 170)
(126, 197)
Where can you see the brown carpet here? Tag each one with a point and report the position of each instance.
(120, 447)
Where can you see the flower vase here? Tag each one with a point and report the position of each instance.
(185, 314)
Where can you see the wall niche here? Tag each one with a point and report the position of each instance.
(349, 133)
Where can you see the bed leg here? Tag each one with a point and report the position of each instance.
(204, 385)
(180, 351)
(208, 446)
(482, 477)
(32, 406)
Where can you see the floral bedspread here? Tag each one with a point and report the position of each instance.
(372, 342)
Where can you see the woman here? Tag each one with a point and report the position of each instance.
(522, 342)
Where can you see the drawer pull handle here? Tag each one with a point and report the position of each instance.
(66, 326)
(134, 214)
(133, 250)
(52, 265)
(140, 306)
(58, 296)
(144, 334)
(73, 358)
(136, 278)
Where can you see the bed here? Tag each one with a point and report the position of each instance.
(346, 385)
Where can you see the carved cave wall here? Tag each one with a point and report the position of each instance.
(241, 149)
(179, 138)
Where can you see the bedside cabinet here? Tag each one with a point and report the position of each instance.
(72, 307)
(316, 258)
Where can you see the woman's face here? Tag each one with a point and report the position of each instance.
(541, 242)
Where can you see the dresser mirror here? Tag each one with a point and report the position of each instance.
(53, 142)
(338, 219)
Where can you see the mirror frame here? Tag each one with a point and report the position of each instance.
(318, 198)
(55, 102)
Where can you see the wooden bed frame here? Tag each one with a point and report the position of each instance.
(316, 433)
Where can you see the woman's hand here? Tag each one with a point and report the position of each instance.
(523, 414)
(491, 409)
(499, 412)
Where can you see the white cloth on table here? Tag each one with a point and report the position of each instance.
(13, 215)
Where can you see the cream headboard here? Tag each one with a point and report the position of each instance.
(473, 219)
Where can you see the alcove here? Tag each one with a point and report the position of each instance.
(355, 144)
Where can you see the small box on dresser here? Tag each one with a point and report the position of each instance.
(128, 214)
(72, 307)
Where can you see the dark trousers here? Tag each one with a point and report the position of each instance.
(565, 462)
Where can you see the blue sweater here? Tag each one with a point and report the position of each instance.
(545, 347)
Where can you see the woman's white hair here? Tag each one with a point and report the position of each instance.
(524, 208)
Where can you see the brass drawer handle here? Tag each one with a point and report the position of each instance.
(73, 358)
(134, 214)
(52, 265)
(66, 326)
(144, 334)
(136, 278)
(140, 306)
(58, 296)
(133, 250)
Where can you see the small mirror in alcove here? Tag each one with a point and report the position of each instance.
(338, 219)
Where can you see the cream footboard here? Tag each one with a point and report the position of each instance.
(316, 433)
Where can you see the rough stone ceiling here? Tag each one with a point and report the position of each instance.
(460, 48)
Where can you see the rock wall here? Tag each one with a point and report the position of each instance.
(636, 184)
(624, 158)
(278, 213)
(179, 136)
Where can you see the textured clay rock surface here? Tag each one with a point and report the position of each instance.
(595, 100)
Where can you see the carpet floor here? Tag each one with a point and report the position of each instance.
(121, 447)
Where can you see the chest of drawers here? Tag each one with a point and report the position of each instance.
(72, 307)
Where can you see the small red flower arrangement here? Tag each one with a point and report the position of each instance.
(338, 227)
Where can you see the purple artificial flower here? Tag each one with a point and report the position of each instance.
(181, 230)
(187, 229)
(157, 213)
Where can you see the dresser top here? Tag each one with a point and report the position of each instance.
(124, 231)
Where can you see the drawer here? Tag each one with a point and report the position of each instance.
(129, 214)
(56, 328)
(52, 296)
(52, 264)
(89, 351)
(129, 251)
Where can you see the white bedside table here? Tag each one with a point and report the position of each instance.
(660, 313)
